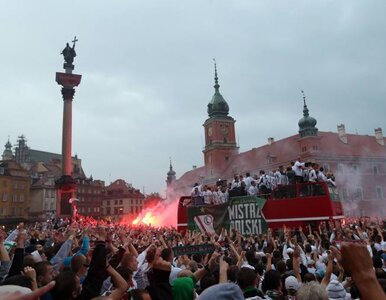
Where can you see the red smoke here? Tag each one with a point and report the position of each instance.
(163, 214)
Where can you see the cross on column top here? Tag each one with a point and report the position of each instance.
(74, 41)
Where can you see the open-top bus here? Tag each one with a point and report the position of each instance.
(292, 205)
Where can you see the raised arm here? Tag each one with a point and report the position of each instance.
(223, 278)
(295, 264)
(327, 275)
(18, 258)
(356, 259)
(120, 284)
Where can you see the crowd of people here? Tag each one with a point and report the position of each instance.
(262, 183)
(90, 260)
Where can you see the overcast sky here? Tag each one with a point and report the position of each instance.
(147, 75)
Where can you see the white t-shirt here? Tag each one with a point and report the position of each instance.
(298, 168)
(312, 175)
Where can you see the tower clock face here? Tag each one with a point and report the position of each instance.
(224, 130)
(210, 131)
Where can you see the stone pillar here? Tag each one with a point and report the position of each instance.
(66, 185)
(68, 96)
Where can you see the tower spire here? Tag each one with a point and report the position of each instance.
(171, 175)
(7, 154)
(216, 85)
(305, 108)
(307, 123)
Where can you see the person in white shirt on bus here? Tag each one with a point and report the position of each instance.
(298, 168)
(253, 190)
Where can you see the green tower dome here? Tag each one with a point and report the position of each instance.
(217, 106)
(307, 124)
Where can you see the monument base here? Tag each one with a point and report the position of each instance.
(66, 187)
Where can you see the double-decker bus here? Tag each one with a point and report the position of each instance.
(295, 205)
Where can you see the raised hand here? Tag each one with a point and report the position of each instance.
(29, 272)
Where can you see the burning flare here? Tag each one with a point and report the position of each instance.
(160, 215)
(148, 219)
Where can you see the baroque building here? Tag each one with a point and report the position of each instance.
(43, 170)
(121, 198)
(14, 192)
(357, 161)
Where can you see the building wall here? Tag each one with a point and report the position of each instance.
(120, 198)
(122, 206)
(14, 193)
(90, 195)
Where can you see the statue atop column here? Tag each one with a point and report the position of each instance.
(69, 54)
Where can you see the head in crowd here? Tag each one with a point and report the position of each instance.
(67, 286)
(44, 272)
(291, 285)
(183, 289)
(272, 281)
(19, 280)
(129, 261)
(247, 278)
(140, 294)
(79, 265)
(312, 290)
(223, 291)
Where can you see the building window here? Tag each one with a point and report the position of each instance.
(5, 196)
(108, 202)
(375, 170)
(340, 168)
(326, 168)
(345, 194)
(358, 194)
(120, 201)
(355, 168)
(21, 198)
(115, 202)
(379, 192)
(14, 198)
(315, 148)
(304, 149)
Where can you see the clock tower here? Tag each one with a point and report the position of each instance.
(220, 136)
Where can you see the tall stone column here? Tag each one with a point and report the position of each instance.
(66, 185)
